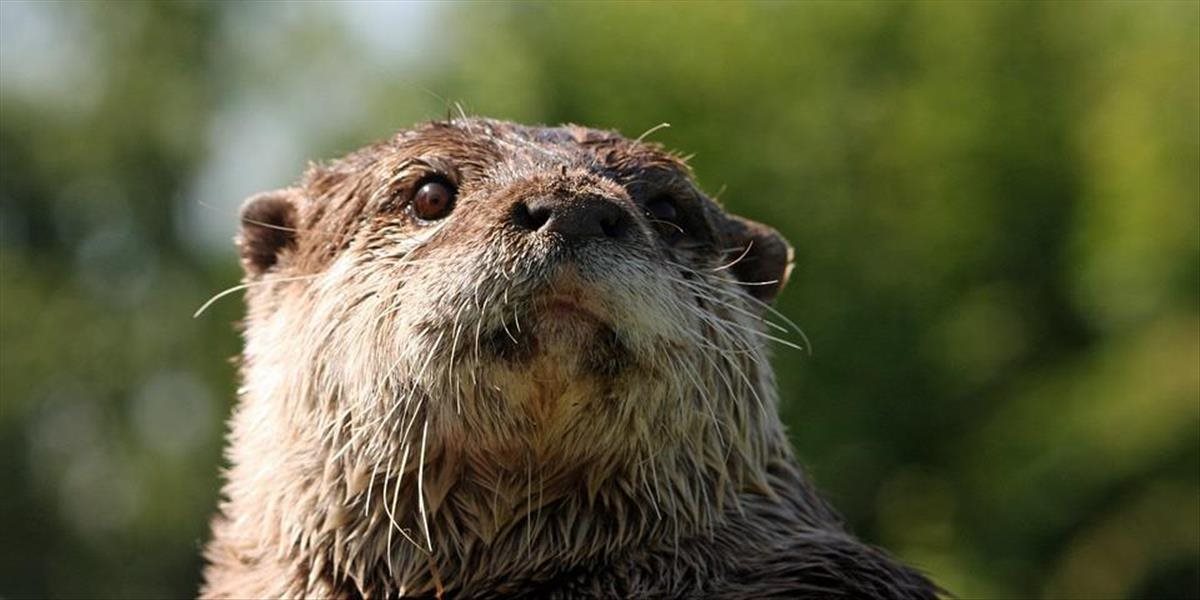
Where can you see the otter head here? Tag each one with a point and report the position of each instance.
(474, 320)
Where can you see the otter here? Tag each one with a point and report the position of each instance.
(485, 360)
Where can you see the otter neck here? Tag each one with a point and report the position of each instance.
(472, 518)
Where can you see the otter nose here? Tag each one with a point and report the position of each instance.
(574, 218)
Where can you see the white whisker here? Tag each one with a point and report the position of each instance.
(246, 286)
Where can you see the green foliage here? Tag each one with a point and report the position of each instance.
(995, 209)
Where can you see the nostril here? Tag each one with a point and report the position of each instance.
(527, 218)
(572, 218)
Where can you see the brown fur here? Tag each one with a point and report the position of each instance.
(417, 419)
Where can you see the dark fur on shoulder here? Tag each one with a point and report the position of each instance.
(490, 360)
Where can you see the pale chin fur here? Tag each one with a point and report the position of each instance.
(421, 437)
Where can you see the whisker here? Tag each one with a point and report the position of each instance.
(754, 301)
(702, 290)
(753, 331)
(246, 286)
(421, 487)
(676, 226)
(663, 125)
(737, 260)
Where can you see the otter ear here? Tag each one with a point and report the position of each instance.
(268, 226)
(763, 259)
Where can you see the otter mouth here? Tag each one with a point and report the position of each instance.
(562, 321)
(567, 307)
(567, 312)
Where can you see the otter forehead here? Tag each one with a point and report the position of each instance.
(520, 146)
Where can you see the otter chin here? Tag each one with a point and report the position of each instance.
(486, 359)
(565, 308)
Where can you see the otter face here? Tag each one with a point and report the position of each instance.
(512, 293)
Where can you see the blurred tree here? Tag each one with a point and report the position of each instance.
(109, 429)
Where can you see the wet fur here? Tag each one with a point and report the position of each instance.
(405, 429)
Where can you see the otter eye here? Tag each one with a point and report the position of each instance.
(433, 200)
(664, 217)
(662, 208)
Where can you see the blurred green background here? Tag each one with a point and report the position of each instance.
(995, 209)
